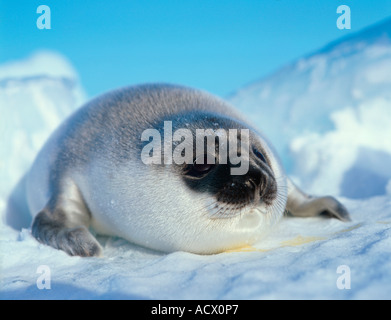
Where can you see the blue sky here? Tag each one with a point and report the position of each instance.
(218, 46)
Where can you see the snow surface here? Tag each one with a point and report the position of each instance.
(332, 110)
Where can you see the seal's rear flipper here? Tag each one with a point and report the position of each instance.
(300, 204)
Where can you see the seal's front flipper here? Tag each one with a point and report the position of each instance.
(300, 204)
(63, 223)
(76, 241)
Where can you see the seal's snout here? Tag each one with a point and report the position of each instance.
(257, 185)
(262, 184)
(268, 190)
(254, 177)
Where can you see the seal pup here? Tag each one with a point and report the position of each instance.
(91, 173)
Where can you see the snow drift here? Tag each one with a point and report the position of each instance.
(329, 116)
(36, 94)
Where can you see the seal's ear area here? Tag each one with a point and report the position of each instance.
(300, 204)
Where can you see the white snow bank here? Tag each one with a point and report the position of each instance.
(40, 63)
(354, 158)
(36, 94)
(329, 116)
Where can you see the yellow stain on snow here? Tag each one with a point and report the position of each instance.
(247, 248)
(296, 241)
(299, 240)
(384, 222)
(356, 226)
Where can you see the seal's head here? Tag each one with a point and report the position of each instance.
(237, 181)
(232, 188)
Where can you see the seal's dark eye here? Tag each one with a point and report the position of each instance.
(202, 167)
(259, 155)
(198, 169)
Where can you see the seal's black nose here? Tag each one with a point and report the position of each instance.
(262, 182)
(254, 176)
